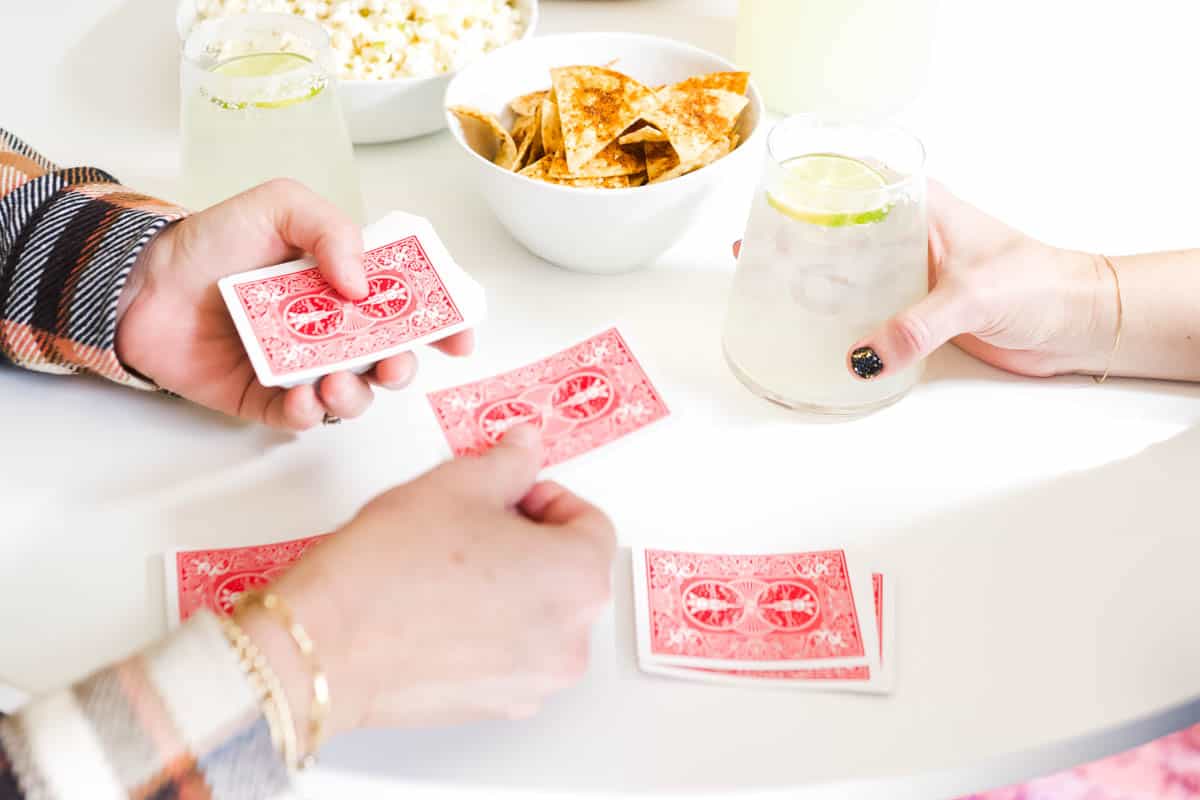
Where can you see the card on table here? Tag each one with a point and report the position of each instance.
(296, 327)
(588, 395)
(778, 611)
(215, 578)
(861, 679)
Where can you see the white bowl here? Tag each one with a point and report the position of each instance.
(594, 230)
(386, 111)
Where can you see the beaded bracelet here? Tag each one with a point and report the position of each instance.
(321, 701)
(268, 688)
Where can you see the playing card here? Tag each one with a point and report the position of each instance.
(863, 679)
(762, 612)
(11, 698)
(216, 578)
(296, 327)
(588, 395)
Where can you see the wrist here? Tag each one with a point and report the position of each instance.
(138, 285)
(295, 671)
(1089, 312)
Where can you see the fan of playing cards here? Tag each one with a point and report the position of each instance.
(807, 620)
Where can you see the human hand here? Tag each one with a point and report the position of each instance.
(175, 329)
(465, 594)
(1003, 297)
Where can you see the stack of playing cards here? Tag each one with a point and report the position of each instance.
(810, 620)
(296, 327)
(214, 578)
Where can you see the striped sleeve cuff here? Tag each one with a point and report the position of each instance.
(177, 720)
(73, 236)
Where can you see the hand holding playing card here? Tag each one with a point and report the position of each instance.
(175, 329)
(465, 594)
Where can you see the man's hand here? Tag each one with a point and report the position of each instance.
(175, 329)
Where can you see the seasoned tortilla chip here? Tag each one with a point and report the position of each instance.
(594, 106)
(646, 133)
(736, 82)
(696, 119)
(715, 151)
(486, 136)
(612, 160)
(552, 140)
(607, 182)
(526, 104)
(540, 171)
(660, 159)
(527, 133)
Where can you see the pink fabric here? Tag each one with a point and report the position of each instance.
(1165, 769)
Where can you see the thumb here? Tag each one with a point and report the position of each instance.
(308, 221)
(506, 473)
(909, 336)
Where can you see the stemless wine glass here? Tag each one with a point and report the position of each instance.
(835, 245)
(259, 101)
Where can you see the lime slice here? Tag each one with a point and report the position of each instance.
(265, 65)
(830, 190)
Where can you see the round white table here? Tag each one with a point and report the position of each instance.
(1041, 532)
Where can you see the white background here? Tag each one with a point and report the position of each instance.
(1042, 533)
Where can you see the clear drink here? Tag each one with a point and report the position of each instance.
(849, 58)
(835, 245)
(259, 101)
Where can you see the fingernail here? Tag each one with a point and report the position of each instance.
(865, 362)
(522, 436)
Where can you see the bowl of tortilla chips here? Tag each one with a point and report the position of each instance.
(596, 150)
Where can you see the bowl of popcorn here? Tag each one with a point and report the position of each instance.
(395, 57)
(598, 150)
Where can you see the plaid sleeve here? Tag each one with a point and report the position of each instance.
(68, 239)
(177, 721)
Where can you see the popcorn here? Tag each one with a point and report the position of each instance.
(386, 39)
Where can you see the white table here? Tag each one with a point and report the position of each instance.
(1042, 533)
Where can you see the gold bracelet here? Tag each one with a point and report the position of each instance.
(270, 695)
(1120, 320)
(321, 701)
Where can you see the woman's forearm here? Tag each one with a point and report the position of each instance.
(1160, 329)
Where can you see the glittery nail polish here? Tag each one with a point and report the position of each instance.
(865, 362)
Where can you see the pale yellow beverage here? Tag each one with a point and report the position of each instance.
(843, 58)
(836, 244)
(250, 115)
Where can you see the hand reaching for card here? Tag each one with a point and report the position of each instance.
(466, 594)
(175, 329)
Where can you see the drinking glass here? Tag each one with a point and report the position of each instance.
(836, 244)
(259, 101)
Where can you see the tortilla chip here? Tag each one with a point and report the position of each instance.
(645, 133)
(714, 152)
(638, 180)
(486, 136)
(696, 119)
(612, 160)
(552, 139)
(736, 82)
(607, 182)
(526, 104)
(540, 171)
(660, 159)
(594, 106)
(527, 133)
